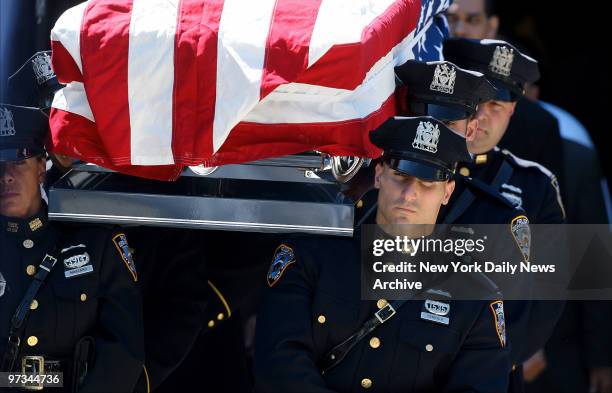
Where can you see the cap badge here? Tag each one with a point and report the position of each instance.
(427, 137)
(502, 60)
(444, 79)
(7, 125)
(42, 68)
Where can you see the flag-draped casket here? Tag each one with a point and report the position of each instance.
(156, 85)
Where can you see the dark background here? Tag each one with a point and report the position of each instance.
(569, 42)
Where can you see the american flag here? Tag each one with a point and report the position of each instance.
(156, 85)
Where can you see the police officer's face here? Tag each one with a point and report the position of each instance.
(20, 187)
(406, 199)
(464, 127)
(468, 19)
(493, 118)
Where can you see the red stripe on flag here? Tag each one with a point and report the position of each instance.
(254, 141)
(77, 137)
(288, 42)
(104, 53)
(64, 65)
(345, 66)
(195, 76)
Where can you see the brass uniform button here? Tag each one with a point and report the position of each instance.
(381, 303)
(31, 270)
(429, 347)
(32, 341)
(83, 297)
(27, 243)
(375, 342)
(321, 319)
(366, 383)
(464, 171)
(34, 304)
(514, 367)
(220, 316)
(359, 204)
(211, 323)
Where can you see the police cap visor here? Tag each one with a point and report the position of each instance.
(15, 154)
(443, 113)
(423, 171)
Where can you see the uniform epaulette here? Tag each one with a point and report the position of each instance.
(480, 187)
(491, 290)
(520, 162)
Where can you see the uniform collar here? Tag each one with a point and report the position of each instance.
(480, 159)
(25, 227)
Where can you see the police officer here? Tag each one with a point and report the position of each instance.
(451, 93)
(315, 334)
(525, 183)
(69, 301)
(444, 88)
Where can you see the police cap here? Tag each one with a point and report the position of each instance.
(442, 90)
(34, 83)
(23, 133)
(504, 65)
(420, 146)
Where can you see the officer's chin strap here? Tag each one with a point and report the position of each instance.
(21, 314)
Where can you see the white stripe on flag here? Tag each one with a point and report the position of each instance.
(151, 80)
(301, 103)
(241, 50)
(73, 99)
(342, 22)
(67, 30)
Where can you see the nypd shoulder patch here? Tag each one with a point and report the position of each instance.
(283, 257)
(521, 232)
(497, 307)
(121, 244)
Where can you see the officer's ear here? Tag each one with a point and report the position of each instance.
(512, 108)
(492, 27)
(41, 169)
(472, 127)
(449, 187)
(379, 169)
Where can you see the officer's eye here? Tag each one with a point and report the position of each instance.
(426, 184)
(475, 19)
(452, 18)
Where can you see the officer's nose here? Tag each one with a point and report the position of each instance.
(6, 174)
(482, 114)
(458, 29)
(410, 191)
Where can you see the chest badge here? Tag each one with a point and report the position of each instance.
(77, 264)
(436, 311)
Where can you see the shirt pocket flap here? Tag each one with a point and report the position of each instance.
(429, 337)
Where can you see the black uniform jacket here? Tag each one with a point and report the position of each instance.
(91, 294)
(314, 303)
